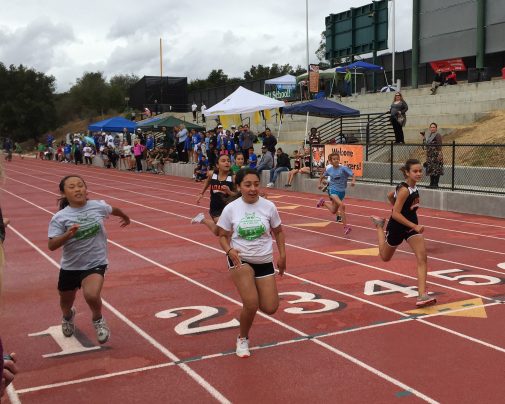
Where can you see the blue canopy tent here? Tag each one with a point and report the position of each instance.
(360, 65)
(321, 107)
(115, 124)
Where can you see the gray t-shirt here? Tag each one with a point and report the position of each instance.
(88, 248)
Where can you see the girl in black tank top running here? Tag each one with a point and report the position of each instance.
(220, 182)
(403, 225)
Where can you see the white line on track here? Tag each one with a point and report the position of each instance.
(293, 227)
(300, 278)
(190, 372)
(288, 244)
(292, 245)
(340, 353)
(146, 180)
(13, 394)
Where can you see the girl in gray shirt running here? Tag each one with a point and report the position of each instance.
(78, 228)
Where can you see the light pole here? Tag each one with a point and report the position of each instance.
(393, 34)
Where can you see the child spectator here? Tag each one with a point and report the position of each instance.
(253, 158)
(202, 169)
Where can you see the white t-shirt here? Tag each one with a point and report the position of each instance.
(194, 107)
(127, 150)
(250, 224)
(88, 151)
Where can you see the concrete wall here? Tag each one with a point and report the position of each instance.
(479, 204)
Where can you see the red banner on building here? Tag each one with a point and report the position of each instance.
(448, 65)
(314, 78)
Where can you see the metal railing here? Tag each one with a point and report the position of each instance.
(467, 167)
(373, 129)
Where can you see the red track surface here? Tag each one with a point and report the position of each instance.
(346, 342)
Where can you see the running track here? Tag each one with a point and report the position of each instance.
(345, 330)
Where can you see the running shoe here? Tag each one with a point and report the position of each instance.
(67, 326)
(287, 185)
(338, 219)
(425, 300)
(242, 350)
(320, 203)
(270, 185)
(102, 330)
(347, 230)
(377, 221)
(198, 218)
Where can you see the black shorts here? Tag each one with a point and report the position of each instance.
(71, 280)
(396, 233)
(260, 270)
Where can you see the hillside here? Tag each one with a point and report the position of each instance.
(488, 130)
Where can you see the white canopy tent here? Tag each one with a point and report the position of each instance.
(243, 101)
(285, 80)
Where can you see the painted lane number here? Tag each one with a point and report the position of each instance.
(466, 279)
(306, 297)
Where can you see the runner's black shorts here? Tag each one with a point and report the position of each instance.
(396, 233)
(71, 280)
(260, 270)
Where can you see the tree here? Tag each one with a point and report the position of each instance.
(298, 70)
(265, 72)
(321, 50)
(91, 94)
(217, 78)
(120, 86)
(27, 103)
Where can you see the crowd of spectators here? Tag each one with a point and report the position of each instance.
(150, 151)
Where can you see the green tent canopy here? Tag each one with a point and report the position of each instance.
(169, 123)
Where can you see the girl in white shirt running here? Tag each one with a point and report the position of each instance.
(244, 234)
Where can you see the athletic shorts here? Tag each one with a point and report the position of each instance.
(340, 194)
(397, 233)
(260, 270)
(71, 280)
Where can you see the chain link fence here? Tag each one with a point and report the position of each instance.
(467, 167)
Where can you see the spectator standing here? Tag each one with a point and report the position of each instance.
(270, 141)
(283, 164)
(127, 136)
(246, 141)
(434, 157)
(438, 80)
(347, 83)
(138, 151)
(314, 137)
(194, 108)
(202, 110)
(398, 117)
(88, 154)
(182, 135)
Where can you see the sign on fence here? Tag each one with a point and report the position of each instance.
(350, 156)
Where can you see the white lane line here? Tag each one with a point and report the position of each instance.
(170, 180)
(12, 393)
(190, 372)
(293, 227)
(291, 275)
(193, 374)
(288, 244)
(308, 206)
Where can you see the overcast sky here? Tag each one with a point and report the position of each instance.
(67, 38)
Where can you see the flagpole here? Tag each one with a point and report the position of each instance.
(393, 34)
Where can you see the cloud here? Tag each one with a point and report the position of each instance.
(36, 44)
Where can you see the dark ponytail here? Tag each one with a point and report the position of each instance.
(63, 201)
(408, 165)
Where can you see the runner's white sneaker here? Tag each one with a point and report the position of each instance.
(425, 300)
(198, 218)
(270, 185)
(242, 350)
(102, 330)
(67, 326)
